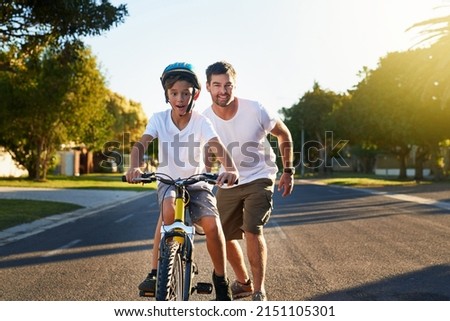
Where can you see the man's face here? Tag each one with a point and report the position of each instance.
(221, 89)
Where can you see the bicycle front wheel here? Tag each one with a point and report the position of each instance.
(170, 273)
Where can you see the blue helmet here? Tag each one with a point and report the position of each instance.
(182, 69)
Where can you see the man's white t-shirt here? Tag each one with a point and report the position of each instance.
(245, 137)
(180, 152)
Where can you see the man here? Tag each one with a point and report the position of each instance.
(243, 126)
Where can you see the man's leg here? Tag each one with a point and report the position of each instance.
(236, 258)
(257, 256)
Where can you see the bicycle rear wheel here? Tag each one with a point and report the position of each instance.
(170, 273)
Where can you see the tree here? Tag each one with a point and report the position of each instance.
(30, 24)
(50, 99)
(397, 108)
(129, 118)
(385, 106)
(312, 114)
(128, 126)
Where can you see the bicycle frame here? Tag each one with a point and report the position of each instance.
(176, 267)
(182, 234)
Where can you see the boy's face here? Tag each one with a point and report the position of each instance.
(180, 96)
(221, 89)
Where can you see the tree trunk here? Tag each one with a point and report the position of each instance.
(436, 168)
(447, 161)
(420, 157)
(403, 155)
(322, 155)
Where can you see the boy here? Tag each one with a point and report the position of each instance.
(182, 136)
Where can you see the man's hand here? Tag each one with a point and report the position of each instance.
(286, 184)
(228, 178)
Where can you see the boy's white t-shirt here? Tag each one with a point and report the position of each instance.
(245, 137)
(181, 152)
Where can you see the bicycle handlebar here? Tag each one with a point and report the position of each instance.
(166, 179)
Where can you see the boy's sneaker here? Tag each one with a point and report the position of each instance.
(222, 287)
(241, 290)
(259, 296)
(148, 286)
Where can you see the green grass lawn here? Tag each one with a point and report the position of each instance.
(14, 212)
(89, 181)
(369, 182)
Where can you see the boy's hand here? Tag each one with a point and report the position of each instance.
(228, 178)
(134, 172)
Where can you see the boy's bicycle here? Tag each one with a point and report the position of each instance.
(176, 266)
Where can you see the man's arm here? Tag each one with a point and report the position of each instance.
(285, 144)
(216, 147)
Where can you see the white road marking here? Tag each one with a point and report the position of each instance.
(124, 218)
(61, 249)
(277, 228)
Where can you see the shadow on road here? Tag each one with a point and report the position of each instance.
(429, 284)
(323, 204)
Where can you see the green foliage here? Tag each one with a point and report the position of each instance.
(29, 24)
(52, 98)
(313, 114)
(129, 120)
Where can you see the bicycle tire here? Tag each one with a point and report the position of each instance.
(188, 269)
(170, 273)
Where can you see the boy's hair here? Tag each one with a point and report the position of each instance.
(171, 80)
(179, 71)
(219, 68)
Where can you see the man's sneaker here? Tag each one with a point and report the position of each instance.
(148, 286)
(241, 290)
(222, 287)
(259, 296)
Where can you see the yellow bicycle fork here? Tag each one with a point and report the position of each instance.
(179, 216)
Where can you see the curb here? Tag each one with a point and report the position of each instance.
(401, 197)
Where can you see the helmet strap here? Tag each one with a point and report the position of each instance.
(191, 104)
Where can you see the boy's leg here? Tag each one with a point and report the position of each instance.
(149, 284)
(215, 243)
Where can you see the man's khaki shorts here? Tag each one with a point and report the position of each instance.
(245, 208)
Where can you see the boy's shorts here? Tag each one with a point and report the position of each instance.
(202, 201)
(245, 208)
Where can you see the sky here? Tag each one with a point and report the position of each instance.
(279, 48)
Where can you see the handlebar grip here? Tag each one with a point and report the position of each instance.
(235, 183)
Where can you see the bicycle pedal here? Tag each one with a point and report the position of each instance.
(204, 288)
(147, 294)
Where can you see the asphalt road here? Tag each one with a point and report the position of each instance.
(325, 243)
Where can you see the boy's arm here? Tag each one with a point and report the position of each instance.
(137, 157)
(230, 175)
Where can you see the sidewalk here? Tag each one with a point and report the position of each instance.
(93, 200)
